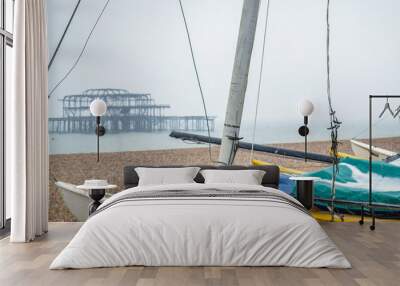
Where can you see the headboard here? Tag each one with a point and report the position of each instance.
(270, 179)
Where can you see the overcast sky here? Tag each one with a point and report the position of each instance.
(141, 45)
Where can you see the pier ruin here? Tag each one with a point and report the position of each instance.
(126, 112)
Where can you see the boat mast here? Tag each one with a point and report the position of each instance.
(234, 110)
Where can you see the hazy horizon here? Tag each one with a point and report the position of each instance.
(141, 46)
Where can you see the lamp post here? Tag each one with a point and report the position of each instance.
(98, 108)
(306, 107)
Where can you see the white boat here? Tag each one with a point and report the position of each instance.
(361, 150)
(76, 200)
(395, 160)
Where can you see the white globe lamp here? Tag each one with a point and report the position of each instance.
(306, 108)
(98, 108)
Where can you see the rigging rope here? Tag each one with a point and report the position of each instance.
(82, 51)
(63, 34)
(198, 81)
(259, 82)
(367, 128)
(334, 122)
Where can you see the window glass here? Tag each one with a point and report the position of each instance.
(2, 204)
(8, 74)
(9, 15)
(1, 14)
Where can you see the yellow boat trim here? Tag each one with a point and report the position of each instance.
(343, 155)
(326, 216)
(281, 168)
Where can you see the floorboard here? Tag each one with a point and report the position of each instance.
(375, 257)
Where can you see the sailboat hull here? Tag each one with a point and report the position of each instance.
(361, 150)
(76, 200)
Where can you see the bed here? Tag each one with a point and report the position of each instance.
(198, 224)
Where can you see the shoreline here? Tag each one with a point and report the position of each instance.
(168, 143)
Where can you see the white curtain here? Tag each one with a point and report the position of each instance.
(27, 148)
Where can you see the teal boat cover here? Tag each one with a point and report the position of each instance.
(352, 183)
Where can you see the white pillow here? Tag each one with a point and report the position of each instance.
(166, 176)
(248, 177)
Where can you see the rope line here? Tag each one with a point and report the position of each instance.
(198, 81)
(367, 128)
(259, 82)
(63, 34)
(82, 51)
(334, 122)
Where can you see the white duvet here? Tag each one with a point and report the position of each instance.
(200, 231)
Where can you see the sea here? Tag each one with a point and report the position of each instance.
(265, 134)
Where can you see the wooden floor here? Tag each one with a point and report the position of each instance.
(375, 257)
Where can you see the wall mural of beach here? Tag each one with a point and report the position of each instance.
(138, 61)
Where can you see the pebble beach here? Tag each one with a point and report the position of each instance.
(75, 168)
